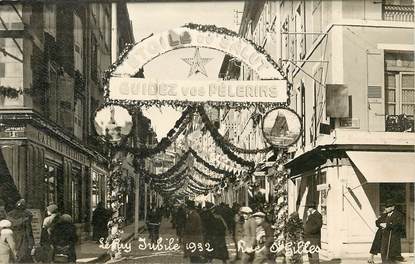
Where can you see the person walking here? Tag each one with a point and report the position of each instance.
(100, 218)
(153, 223)
(247, 243)
(7, 245)
(192, 234)
(312, 231)
(63, 237)
(392, 230)
(49, 223)
(21, 219)
(238, 233)
(264, 240)
(180, 221)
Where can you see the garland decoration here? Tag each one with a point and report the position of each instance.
(115, 195)
(280, 204)
(204, 175)
(165, 142)
(199, 183)
(225, 145)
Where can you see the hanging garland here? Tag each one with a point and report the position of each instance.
(204, 175)
(217, 137)
(167, 174)
(165, 142)
(213, 168)
(205, 185)
(224, 144)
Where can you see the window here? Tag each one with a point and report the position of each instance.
(107, 30)
(53, 95)
(2, 70)
(50, 19)
(78, 43)
(78, 119)
(399, 90)
(94, 59)
(50, 186)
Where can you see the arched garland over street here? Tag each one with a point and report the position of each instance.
(189, 174)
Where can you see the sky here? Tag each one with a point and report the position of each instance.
(158, 17)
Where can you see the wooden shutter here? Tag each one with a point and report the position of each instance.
(375, 90)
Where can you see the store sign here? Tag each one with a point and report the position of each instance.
(158, 44)
(198, 91)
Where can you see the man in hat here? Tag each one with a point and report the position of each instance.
(264, 239)
(21, 219)
(312, 231)
(392, 226)
(247, 243)
(192, 233)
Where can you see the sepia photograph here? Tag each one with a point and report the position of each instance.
(207, 131)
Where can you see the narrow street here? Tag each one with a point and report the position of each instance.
(139, 255)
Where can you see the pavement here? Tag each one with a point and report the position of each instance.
(88, 251)
(139, 251)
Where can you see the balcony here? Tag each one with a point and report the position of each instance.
(399, 123)
(403, 13)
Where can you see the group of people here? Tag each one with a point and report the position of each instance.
(17, 244)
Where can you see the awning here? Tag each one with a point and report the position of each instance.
(393, 167)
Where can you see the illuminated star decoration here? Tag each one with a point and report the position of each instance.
(197, 64)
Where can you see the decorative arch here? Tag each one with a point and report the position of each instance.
(192, 35)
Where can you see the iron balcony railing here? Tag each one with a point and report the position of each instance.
(399, 123)
(398, 13)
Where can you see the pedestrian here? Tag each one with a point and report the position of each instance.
(238, 233)
(153, 221)
(21, 219)
(264, 240)
(216, 237)
(100, 218)
(63, 237)
(312, 232)
(247, 244)
(46, 250)
(7, 244)
(180, 221)
(192, 234)
(392, 231)
(376, 244)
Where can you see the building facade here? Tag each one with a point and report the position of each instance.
(351, 64)
(56, 54)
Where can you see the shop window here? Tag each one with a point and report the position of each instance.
(50, 186)
(76, 195)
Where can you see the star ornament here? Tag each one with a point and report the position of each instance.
(197, 64)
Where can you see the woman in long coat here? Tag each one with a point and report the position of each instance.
(215, 236)
(63, 238)
(376, 244)
(22, 232)
(192, 235)
(100, 219)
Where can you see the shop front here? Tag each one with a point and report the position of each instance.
(351, 188)
(47, 167)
